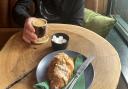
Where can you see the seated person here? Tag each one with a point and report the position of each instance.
(54, 11)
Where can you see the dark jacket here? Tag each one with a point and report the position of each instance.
(55, 11)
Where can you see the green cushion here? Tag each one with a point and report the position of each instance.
(97, 22)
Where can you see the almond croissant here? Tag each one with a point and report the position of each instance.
(60, 71)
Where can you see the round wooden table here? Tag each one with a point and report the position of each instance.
(18, 60)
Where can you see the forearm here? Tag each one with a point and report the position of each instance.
(20, 11)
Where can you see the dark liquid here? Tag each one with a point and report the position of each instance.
(40, 31)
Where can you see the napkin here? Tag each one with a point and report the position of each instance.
(42, 85)
(80, 84)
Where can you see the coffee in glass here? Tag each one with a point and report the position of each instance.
(40, 26)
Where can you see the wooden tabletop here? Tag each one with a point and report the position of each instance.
(18, 58)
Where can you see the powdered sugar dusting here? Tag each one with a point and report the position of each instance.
(59, 39)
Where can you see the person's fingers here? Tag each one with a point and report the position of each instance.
(29, 31)
(25, 35)
(29, 27)
(31, 35)
(28, 24)
(26, 39)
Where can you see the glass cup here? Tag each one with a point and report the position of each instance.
(40, 26)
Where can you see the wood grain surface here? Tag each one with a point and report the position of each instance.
(17, 57)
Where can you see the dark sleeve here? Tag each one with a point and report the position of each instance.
(76, 12)
(20, 11)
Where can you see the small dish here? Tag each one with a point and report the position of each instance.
(59, 41)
